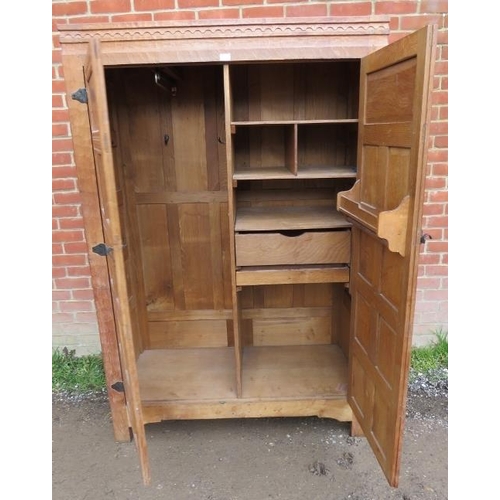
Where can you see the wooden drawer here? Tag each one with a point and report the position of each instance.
(290, 248)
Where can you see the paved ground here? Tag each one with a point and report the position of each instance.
(248, 459)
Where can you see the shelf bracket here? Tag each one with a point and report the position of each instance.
(392, 226)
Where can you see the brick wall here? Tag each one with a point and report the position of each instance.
(74, 319)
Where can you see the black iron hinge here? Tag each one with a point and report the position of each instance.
(81, 96)
(118, 387)
(102, 249)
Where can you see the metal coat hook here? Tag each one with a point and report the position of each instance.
(163, 83)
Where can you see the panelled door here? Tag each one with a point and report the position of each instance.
(122, 288)
(394, 101)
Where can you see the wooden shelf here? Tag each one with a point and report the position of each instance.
(292, 275)
(288, 218)
(294, 372)
(304, 172)
(253, 123)
(198, 374)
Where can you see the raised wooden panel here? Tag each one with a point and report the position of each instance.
(291, 331)
(390, 93)
(192, 333)
(156, 256)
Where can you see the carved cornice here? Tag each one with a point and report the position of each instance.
(236, 29)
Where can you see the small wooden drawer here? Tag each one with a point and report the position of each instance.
(292, 247)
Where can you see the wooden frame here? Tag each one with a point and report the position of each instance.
(308, 244)
(185, 42)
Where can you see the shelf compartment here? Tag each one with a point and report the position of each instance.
(282, 218)
(292, 275)
(266, 148)
(198, 374)
(310, 247)
(320, 145)
(390, 225)
(294, 372)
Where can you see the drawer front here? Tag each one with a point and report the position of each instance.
(274, 249)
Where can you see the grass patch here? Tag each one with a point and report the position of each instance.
(74, 374)
(431, 357)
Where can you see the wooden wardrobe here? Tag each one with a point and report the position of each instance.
(252, 194)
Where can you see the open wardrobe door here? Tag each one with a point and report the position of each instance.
(114, 249)
(385, 207)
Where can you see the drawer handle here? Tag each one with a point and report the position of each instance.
(292, 233)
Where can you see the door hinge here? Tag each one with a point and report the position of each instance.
(425, 237)
(118, 387)
(81, 96)
(102, 249)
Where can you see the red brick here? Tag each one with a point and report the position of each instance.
(437, 246)
(394, 37)
(426, 283)
(437, 155)
(62, 318)
(64, 236)
(440, 169)
(443, 112)
(174, 16)
(431, 6)
(436, 221)
(63, 185)
(440, 97)
(441, 141)
(60, 115)
(393, 23)
(55, 224)
(434, 113)
(73, 198)
(57, 101)
(71, 283)
(58, 22)
(429, 258)
(74, 306)
(62, 159)
(56, 56)
(188, 4)
(64, 173)
(436, 270)
(60, 130)
(444, 53)
(154, 4)
(438, 196)
(57, 249)
(241, 2)
(71, 223)
(394, 8)
(441, 68)
(78, 271)
(109, 6)
(130, 18)
(61, 295)
(90, 19)
(286, 1)
(438, 128)
(444, 259)
(69, 8)
(350, 9)
(425, 306)
(62, 145)
(82, 294)
(412, 23)
(256, 12)
(429, 209)
(59, 211)
(75, 247)
(56, 42)
(436, 295)
(58, 272)
(69, 260)
(219, 14)
(85, 317)
(316, 9)
(442, 37)
(435, 183)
